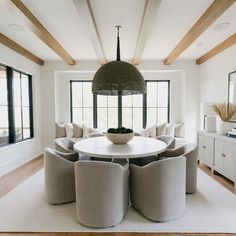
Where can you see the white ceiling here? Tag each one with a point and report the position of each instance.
(174, 19)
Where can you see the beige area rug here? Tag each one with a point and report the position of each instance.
(211, 209)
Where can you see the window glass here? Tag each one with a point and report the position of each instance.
(151, 94)
(162, 92)
(4, 129)
(82, 103)
(133, 106)
(16, 123)
(157, 102)
(21, 105)
(132, 112)
(107, 112)
(87, 94)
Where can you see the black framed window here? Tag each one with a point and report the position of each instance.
(4, 131)
(134, 111)
(157, 102)
(16, 106)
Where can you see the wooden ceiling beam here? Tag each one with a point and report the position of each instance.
(149, 14)
(19, 49)
(85, 12)
(38, 29)
(216, 9)
(216, 50)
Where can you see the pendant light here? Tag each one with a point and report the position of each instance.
(118, 77)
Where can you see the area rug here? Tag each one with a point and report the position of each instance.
(211, 209)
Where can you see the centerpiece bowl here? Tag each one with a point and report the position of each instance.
(119, 135)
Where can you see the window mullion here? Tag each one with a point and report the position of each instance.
(145, 108)
(119, 110)
(95, 111)
(11, 122)
(30, 87)
(21, 108)
(71, 103)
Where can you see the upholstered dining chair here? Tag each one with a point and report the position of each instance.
(93, 135)
(157, 190)
(102, 193)
(169, 140)
(190, 151)
(59, 176)
(64, 145)
(142, 161)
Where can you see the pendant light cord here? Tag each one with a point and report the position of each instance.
(118, 43)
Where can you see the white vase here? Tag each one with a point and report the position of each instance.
(224, 127)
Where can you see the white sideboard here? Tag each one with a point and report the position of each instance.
(219, 153)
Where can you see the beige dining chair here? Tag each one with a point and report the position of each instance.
(168, 140)
(102, 193)
(59, 177)
(64, 145)
(190, 151)
(157, 190)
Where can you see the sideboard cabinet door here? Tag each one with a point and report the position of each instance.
(230, 160)
(206, 149)
(219, 155)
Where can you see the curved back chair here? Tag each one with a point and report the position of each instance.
(142, 161)
(174, 152)
(191, 154)
(93, 135)
(101, 193)
(158, 189)
(64, 145)
(190, 151)
(169, 140)
(59, 176)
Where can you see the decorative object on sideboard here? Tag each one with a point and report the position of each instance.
(118, 77)
(232, 133)
(225, 111)
(120, 135)
(209, 117)
(232, 91)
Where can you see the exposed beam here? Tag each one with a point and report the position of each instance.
(149, 14)
(216, 9)
(38, 29)
(219, 48)
(17, 48)
(85, 12)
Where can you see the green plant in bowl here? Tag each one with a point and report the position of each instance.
(120, 135)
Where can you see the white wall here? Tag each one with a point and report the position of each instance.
(214, 76)
(187, 91)
(14, 155)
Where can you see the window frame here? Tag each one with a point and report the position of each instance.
(145, 101)
(10, 100)
(119, 107)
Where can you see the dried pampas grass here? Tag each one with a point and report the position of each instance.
(224, 110)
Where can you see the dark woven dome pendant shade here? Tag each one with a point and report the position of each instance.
(118, 77)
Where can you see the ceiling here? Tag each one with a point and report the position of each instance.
(60, 18)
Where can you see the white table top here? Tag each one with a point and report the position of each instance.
(103, 148)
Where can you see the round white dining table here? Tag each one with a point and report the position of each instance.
(101, 147)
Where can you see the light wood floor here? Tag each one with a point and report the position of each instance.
(111, 234)
(19, 175)
(14, 178)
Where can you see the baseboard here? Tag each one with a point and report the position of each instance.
(15, 163)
